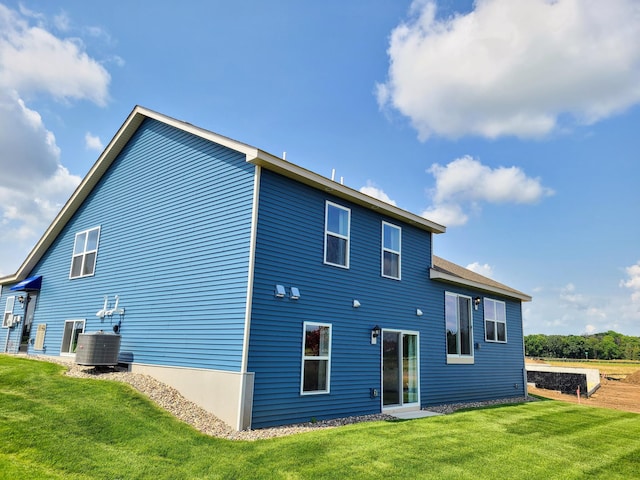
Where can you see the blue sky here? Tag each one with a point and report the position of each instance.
(515, 123)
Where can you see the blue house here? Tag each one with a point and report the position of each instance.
(263, 292)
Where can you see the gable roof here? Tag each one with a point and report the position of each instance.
(253, 155)
(446, 271)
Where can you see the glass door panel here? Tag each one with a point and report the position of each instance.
(390, 368)
(410, 368)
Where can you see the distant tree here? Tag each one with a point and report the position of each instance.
(608, 345)
(593, 348)
(610, 349)
(574, 346)
(631, 348)
(535, 345)
(555, 346)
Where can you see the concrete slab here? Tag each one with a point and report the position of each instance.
(414, 414)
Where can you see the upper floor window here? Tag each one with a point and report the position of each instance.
(495, 320)
(391, 243)
(336, 235)
(459, 321)
(85, 252)
(316, 358)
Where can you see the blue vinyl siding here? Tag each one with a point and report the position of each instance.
(497, 371)
(175, 218)
(290, 252)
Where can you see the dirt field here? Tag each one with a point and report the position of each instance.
(623, 394)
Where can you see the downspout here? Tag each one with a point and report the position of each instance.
(6, 342)
(524, 363)
(249, 302)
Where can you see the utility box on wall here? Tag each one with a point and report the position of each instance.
(98, 349)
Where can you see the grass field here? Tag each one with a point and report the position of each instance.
(56, 427)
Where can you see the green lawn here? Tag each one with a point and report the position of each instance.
(52, 426)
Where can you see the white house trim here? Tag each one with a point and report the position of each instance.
(447, 277)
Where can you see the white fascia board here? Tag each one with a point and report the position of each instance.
(248, 150)
(312, 179)
(448, 278)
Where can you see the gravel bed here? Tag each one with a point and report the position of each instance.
(173, 402)
(452, 407)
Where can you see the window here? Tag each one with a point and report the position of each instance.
(336, 235)
(495, 321)
(85, 251)
(459, 320)
(7, 318)
(72, 328)
(391, 242)
(316, 358)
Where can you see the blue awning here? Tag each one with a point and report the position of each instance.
(31, 283)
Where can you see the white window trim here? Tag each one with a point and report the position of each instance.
(8, 308)
(398, 252)
(84, 325)
(84, 253)
(327, 232)
(459, 358)
(496, 321)
(323, 357)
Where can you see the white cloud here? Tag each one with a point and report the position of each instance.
(481, 269)
(375, 192)
(28, 151)
(633, 282)
(467, 183)
(34, 184)
(62, 22)
(93, 142)
(569, 296)
(513, 67)
(447, 214)
(33, 60)
(569, 309)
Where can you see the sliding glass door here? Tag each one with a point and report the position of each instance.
(400, 375)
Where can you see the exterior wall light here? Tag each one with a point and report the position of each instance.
(476, 302)
(375, 333)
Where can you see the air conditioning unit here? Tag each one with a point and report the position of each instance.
(98, 349)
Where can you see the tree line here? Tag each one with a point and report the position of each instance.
(601, 346)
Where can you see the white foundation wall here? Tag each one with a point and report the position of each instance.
(592, 374)
(227, 395)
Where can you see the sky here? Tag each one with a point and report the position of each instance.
(515, 123)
